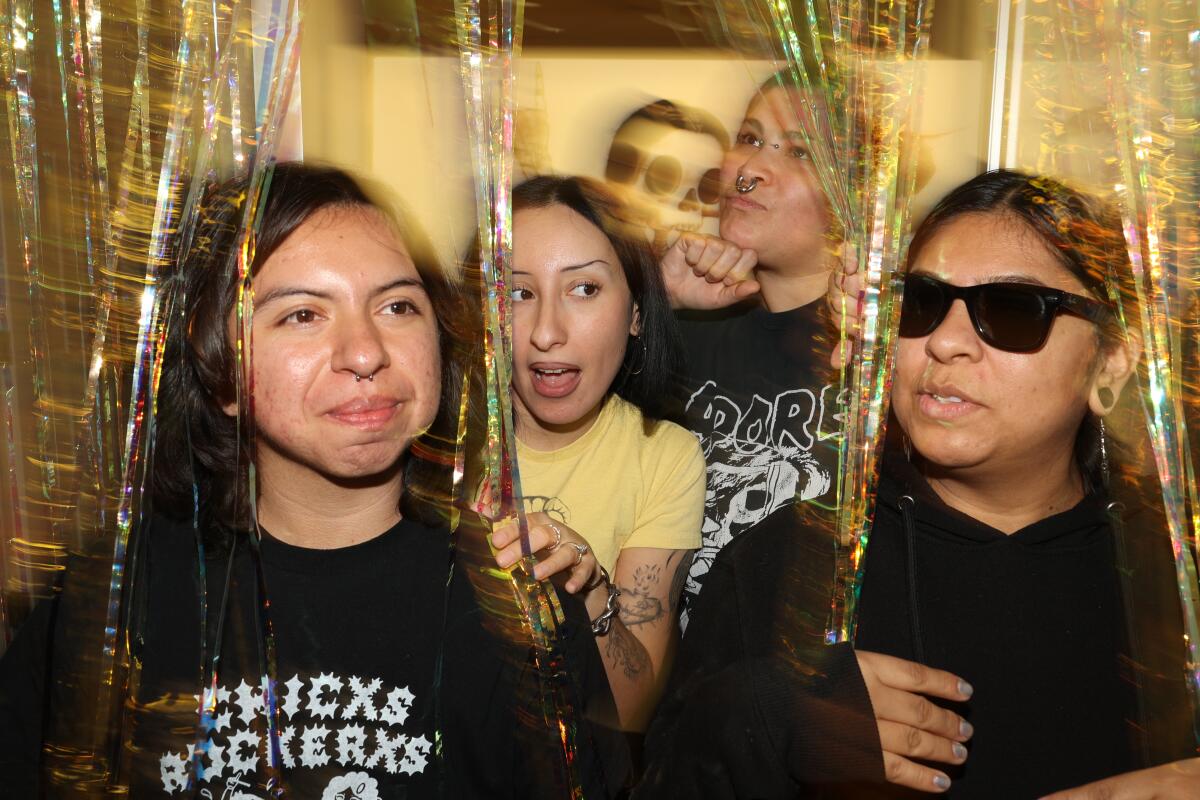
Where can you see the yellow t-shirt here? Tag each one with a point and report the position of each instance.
(619, 487)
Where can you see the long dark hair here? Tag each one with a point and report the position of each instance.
(1083, 233)
(645, 376)
(201, 454)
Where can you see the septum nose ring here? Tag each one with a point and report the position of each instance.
(743, 187)
(370, 378)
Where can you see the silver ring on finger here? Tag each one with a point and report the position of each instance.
(557, 538)
(581, 550)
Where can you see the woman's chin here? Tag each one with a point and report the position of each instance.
(735, 229)
(369, 464)
(947, 450)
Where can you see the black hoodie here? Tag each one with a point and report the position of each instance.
(1032, 620)
(1066, 691)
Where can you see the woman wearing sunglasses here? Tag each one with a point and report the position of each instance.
(1017, 633)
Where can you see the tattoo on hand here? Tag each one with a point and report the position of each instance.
(623, 649)
(639, 605)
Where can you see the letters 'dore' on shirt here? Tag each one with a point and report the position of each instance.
(760, 396)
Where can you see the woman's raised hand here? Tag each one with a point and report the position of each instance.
(704, 272)
(559, 549)
(910, 725)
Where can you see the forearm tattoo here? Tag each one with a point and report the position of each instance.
(624, 650)
(643, 603)
(639, 603)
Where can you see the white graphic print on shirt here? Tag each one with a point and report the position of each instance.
(324, 720)
(759, 458)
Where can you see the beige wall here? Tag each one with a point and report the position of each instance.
(400, 118)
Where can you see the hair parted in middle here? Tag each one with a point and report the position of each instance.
(1080, 231)
(646, 375)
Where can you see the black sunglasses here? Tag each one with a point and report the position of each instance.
(1016, 317)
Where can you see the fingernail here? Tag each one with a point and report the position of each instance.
(504, 561)
(960, 752)
(965, 689)
(941, 782)
(965, 729)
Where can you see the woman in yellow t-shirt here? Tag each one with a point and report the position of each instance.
(611, 488)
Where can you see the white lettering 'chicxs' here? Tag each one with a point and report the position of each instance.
(324, 720)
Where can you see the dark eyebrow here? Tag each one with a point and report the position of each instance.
(292, 291)
(1014, 277)
(571, 267)
(286, 291)
(753, 123)
(414, 283)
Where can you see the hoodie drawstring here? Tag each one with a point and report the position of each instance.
(1124, 576)
(908, 511)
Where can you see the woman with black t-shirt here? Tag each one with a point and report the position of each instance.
(757, 389)
(388, 681)
(1019, 631)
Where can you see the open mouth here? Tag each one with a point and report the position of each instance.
(554, 381)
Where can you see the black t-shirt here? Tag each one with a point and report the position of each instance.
(760, 395)
(388, 682)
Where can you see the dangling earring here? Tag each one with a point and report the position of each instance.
(645, 356)
(1104, 475)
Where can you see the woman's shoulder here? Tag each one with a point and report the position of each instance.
(674, 437)
(657, 434)
(665, 448)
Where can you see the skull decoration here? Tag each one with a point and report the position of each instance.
(664, 164)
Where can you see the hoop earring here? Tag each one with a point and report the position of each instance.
(645, 357)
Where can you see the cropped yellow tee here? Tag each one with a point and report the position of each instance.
(620, 486)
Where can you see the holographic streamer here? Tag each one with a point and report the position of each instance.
(1154, 78)
(883, 43)
(15, 69)
(1113, 106)
(272, 62)
(858, 66)
(91, 220)
(488, 34)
